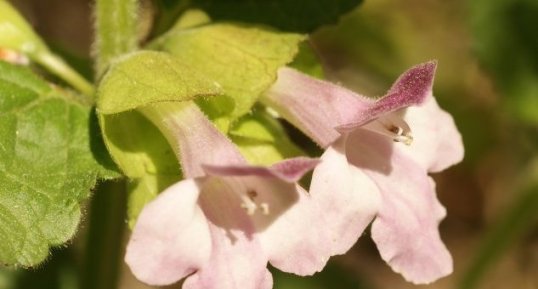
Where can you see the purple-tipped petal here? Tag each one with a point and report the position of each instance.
(289, 170)
(406, 229)
(324, 111)
(313, 105)
(171, 238)
(292, 170)
(413, 87)
(437, 144)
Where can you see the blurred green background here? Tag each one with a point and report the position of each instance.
(487, 78)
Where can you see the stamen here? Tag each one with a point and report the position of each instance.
(392, 126)
(406, 139)
(250, 205)
(265, 208)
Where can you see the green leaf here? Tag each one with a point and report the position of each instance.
(191, 18)
(143, 154)
(308, 62)
(49, 161)
(136, 145)
(287, 15)
(243, 60)
(261, 139)
(145, 77)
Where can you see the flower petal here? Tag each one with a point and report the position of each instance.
(292, 170)
(323, 110)
(289, 244)
(347, 197)
(289, 170)
(313, 105)
(437, 144)
(336, 215)
(267, 281)
(406, 229)
(235, 263)
(237, 260)
(171, 238)
(413, 87)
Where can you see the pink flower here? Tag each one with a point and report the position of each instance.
(220, 226)
(377, 162)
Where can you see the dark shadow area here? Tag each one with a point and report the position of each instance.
(58, 272)
(334, 276)
(97, 144)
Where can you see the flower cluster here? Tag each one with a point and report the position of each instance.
(222, 224)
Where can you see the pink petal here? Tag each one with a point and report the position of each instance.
(237, 260)
(406, 229)
(322, 110)
(290, 244)
(413, 87)
(437, 144)
(347, 197)
(313, 105)
(335, 212)
(171, 238)
(267, 282)
(290, 170)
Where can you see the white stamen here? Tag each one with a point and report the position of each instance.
(392, 126)
(250, 205)
(265, 208)
(406, 139)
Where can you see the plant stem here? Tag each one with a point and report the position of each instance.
(115, 31)
(58, 67)
(105, 236)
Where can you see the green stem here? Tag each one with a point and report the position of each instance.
(58, 67)
(115, 31)
(105, 237)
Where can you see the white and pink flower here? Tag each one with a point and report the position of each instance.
(220, 226)
(376, 165)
